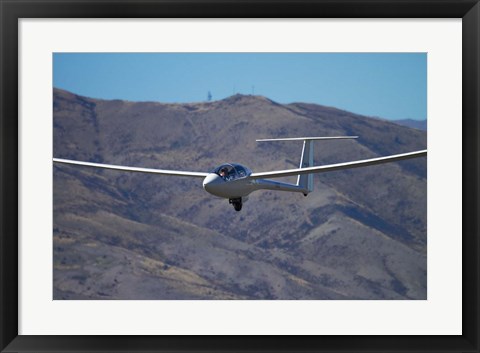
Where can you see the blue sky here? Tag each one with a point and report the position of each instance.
(390, 85)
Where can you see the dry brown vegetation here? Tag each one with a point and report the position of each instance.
(360, 235)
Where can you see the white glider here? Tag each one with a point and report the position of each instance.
(235, 182)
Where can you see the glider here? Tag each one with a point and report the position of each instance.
(235, 182)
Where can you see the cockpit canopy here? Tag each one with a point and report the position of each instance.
(232, 171)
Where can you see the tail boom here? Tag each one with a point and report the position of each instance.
(266, 184)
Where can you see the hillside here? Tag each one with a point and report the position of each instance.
(360, 235)
(415, 124)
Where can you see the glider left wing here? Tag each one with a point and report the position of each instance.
(339, 166)
(133, 169)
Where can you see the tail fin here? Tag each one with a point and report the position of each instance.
(305, 181)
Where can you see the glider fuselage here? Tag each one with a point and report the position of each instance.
(234, 181)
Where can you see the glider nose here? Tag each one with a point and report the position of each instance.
(211, 181)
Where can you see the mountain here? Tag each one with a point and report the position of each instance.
(362, 233)
(415, 124)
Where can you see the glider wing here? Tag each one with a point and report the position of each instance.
(339, 166)
(133, 169)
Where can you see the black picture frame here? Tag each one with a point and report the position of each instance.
(13, 10)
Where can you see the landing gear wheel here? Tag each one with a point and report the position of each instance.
(237, 204)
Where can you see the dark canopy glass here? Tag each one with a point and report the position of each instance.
(232, 171)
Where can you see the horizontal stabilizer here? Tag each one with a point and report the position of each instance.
(309, 138)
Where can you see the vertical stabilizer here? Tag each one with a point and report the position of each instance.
(305, 181)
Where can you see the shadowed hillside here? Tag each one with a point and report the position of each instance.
(117, 235)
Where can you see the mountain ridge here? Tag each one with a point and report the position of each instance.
(388, 212)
